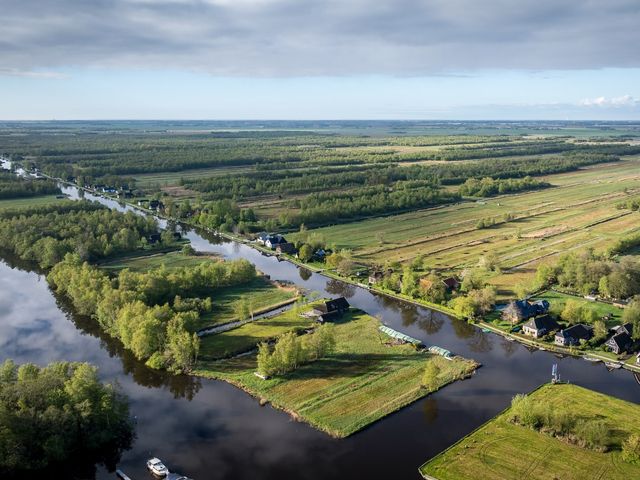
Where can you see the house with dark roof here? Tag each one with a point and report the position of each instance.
(156, 205)
(626, 328)
(286, 247)
(331, 309)
(262, 237)
(272, 241)
(539, 326)
(452, 283)
(520, 310)
(375, 277)
(573, 335)
(620, 343)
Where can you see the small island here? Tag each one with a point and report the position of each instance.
(367, 375)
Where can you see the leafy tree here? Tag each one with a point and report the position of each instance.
(430, 377)
(631, 449)
(305, 253)
(57, 416)
(321, 342)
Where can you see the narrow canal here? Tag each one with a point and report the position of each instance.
(209, 429)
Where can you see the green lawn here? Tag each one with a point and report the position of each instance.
(248, 335)
(261, 294)
(503, 450)
(364, 380)
(31, 201)
(144, 262)
(558, 301)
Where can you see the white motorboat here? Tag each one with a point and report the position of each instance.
(156, 467)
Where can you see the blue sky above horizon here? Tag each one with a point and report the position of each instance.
(320, 59)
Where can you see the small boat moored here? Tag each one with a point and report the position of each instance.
(612, 365)
(156, 467)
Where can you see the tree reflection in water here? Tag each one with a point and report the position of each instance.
(305, 273)
(430, 409)
(336, 287)
(431, 321)
(508, 347)
(181, 386)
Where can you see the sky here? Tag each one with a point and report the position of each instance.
(320, 59)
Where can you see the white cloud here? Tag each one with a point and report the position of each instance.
(320, 37)
(607, 102)
(15, 72)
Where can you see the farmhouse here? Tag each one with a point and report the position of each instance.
(156, 205)
(520, 310)
(271, 241)
(451, 283)
(375, 277)
(286, 247)
(619, 343)
(331, 310)
(573, 335)
(539, 326)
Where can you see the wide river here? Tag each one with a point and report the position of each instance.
(210, 429)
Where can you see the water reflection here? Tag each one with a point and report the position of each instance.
(338, 288)
(305, 273)
(211, 429)
(430, 410)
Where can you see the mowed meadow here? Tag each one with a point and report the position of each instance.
(577, 211)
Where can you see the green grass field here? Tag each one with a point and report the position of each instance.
(503, 450)
(578, 212)
(558, 301)
(31, 201)
(249, 335)
(261, 295)
(364, 380)
(142, 263)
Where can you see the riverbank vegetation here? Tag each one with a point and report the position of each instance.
(14, 186)
(58, 419)
(560, 430)
(365, 377)
(247, 336)
(46, 234)
(153, 313)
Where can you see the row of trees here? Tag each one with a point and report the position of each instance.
(290, 351)
(14, 186)
(153, 313)
(57, 414)
(91, 231)
(488, 187)
(587, 272)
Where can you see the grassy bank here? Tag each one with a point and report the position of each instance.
(364, 380)
(30, 201)
(249, 335)
(501, 449)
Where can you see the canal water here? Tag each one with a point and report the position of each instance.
(210, 429)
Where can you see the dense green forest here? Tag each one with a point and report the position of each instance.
(488, 187)
(127, 154)
(59, 418)
(14, 186)
(45, 234)
(155, 313)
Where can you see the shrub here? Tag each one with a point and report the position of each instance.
(631, 449)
